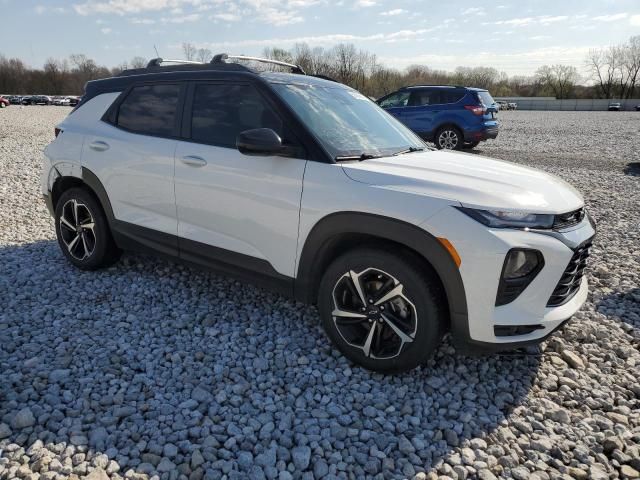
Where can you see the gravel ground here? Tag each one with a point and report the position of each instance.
(153, 370)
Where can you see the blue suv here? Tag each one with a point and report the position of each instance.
(451, 117)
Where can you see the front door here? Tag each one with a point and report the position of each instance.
(235, 210)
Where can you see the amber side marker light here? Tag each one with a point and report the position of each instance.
(451, 249)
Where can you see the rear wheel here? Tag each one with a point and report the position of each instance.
(449, 138)
(380, 311)
(83, 231)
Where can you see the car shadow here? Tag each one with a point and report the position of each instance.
(624, 306)
(632, 169)
(149, 361)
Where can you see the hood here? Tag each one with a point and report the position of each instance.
(472, 180)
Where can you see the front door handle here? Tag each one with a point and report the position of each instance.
(99, 146)
(194, 161)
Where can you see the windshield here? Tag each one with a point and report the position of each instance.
(346, 122)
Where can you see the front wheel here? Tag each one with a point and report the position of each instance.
(449, 138)
(83, 231)
(380, 311)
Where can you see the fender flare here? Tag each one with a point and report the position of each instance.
(411, 236)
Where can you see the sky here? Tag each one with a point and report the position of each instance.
(516, 37)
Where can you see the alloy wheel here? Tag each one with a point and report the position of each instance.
(372, 313)
(448, 139)
(77, 229)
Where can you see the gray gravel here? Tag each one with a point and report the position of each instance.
(153, 370)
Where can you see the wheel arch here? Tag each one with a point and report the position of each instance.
(338, 232)
(87, 180)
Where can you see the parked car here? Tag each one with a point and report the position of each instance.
(73, 101)
(451, 117)
(4, 102)
(513, 106)
(15, 99)
(37, 100)
(305, 186)
(502, 105)
(637, 108)
(615, 107)
(61, 101)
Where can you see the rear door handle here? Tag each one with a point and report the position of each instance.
(99, 146)
(194, 161)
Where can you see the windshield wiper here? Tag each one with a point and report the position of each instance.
(409, 150)
(360, 158)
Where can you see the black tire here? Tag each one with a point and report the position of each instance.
(449, 138)
(470, 145)
(94, 247)
(387, 352)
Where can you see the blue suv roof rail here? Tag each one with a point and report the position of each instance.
(425, 85)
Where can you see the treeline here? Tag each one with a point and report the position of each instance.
(614, 72)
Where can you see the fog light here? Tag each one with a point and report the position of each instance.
(520, 263)
(520, 268)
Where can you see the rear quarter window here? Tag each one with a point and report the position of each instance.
(485, 98)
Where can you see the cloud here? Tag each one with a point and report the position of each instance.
(274, 12)
(193, 17)
(42, 9)
(105, 30)
(365, 3)
(526, 21)
(474, 11)
(635, 20)
(330, 39)
(394, 12)
(611, 18)
(143, 21)
(226, 17)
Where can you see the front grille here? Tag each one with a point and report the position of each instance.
(569, 219)
(571, 278)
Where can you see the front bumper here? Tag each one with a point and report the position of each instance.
(482, 252)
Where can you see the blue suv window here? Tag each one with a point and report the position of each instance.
(434, 97)
(398, 99)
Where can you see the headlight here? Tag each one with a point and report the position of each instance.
(503, 219)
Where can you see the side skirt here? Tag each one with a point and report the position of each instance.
(232, 264)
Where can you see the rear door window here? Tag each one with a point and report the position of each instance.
(220, 112)
(150, 110)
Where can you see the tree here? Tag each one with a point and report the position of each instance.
(560, 79)
(189, 50)
(204, 55)
(138, 62)
(602, 65)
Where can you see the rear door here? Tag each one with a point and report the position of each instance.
(233, 209)
(134, 156)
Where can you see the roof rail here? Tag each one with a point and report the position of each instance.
(223, 57)
(157, 62)
(430, 85)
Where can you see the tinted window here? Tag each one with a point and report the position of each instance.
(486, 98)
(150, 109)
(434, 97)
(221, 112)
(398, 99)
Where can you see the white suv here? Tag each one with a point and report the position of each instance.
(305, 186)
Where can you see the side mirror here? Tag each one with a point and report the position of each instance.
(259, 142)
